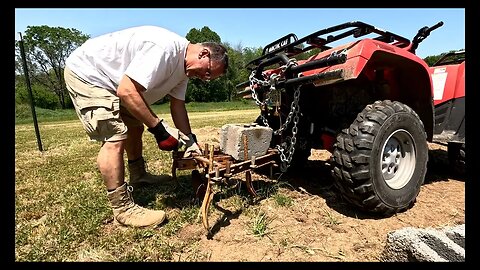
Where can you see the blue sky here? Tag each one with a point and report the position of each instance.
(250, 27)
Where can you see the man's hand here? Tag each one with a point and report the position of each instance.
(168, 138)
(192, 146)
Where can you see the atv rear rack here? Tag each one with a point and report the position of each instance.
(215, 167)
(290, 45)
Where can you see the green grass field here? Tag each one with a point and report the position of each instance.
(23, 112)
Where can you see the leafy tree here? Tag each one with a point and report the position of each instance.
(46, 49)
(431, 60)
(249, 54)
(203, 35)
(44, 98)
(237, 71)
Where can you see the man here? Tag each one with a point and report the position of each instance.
(113, 79)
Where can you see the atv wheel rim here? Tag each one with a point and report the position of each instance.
(398, 159)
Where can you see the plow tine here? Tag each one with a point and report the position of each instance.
(208, 193)
(248, 182)
(248, 174)
(206, 204)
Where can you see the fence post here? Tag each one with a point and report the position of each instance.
(29, 87)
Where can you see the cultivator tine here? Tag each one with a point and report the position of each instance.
(206, 204)
(248, 182)
(208, 193)
(248, 173)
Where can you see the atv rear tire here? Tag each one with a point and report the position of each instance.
(380, 161)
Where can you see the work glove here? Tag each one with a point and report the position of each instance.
(192, 146)
(168, 138)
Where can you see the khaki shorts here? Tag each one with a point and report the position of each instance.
(99, 110)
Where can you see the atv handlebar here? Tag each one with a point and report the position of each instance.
(440, 23)
(423, 33)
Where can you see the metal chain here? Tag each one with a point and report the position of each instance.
(294, 108)
(287, 148)
(255, 81)
(291, 62)
(290, 147)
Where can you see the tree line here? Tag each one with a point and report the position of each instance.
(46, 49)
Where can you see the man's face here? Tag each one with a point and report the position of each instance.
(207, 69)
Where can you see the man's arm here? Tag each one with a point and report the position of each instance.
(179, 115)
(129, 92)
(180, 118)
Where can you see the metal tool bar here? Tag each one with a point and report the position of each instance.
(240, 166)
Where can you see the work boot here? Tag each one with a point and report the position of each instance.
(128, 213)
(139, 175)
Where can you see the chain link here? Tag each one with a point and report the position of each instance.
(287, 148)
(253, 82)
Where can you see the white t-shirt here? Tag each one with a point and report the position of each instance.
(152, 56)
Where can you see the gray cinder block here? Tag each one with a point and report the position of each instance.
(232, 140)
(426, 245)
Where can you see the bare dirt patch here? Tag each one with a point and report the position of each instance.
(319, 225)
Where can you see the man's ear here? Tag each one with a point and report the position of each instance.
(203, 52)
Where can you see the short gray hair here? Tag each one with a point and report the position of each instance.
(218, 53)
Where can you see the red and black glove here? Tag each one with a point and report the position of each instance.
(168, 138)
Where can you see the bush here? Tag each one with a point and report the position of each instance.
(43, 97)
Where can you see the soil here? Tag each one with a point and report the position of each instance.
(319, 226)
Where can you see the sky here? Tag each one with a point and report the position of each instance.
(250, 27)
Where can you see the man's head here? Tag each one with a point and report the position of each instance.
(206, 61)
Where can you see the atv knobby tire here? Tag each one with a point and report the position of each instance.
(380, 161)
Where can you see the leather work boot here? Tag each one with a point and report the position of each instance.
(139, 175)
(128, 213)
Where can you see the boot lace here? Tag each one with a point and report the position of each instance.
(131, 207)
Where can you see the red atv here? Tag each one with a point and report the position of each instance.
(448, 78)
(368, 100)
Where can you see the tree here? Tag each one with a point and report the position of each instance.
(238, 59)
(203, 35)
(46, 49)
(432, 59)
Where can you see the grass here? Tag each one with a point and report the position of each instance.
(24, 115)
(260, 224)
(283, 200)
(61, 208)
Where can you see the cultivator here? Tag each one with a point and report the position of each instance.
(215, 167)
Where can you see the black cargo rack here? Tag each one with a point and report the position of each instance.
(454, 57)
(290, 45)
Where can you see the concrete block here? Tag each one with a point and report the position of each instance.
(232, 140)
(426, 245)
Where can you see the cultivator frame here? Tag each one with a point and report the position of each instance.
(214, 167)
